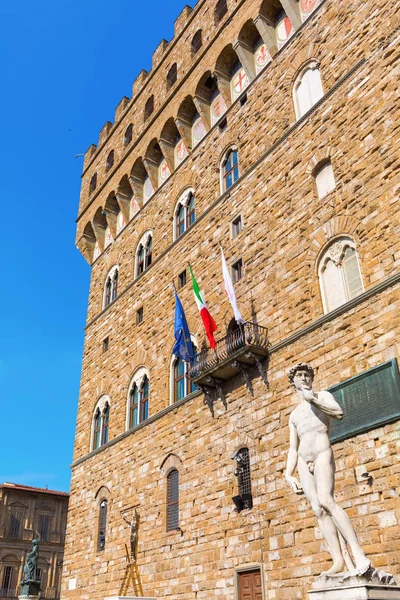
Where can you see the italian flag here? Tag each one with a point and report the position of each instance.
(208, 322)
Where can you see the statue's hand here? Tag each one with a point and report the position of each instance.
(294, 484)
(308, 395)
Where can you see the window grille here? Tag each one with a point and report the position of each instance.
(182, 278)
(110, 160)
(220, 10)
(8, 580)
(244, 500)
(172, 75)
(44, 528)
(173, 500)
(197, 42)
(16, 518)
(101, 540)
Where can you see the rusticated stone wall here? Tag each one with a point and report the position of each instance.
(286, 227)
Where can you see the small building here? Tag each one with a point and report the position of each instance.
(28, 513)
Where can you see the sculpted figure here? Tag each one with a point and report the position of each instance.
(29, 571)
(133, 526)
(310, 450)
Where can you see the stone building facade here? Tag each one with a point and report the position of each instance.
(272, 128)
(28, 513)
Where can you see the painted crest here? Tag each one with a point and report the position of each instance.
(284, 31)
(180, 152)
(218, 108)
(120, 221)
(134, 207)
(198, 131)
(163, 172)
(262, 57)
(239, 83)
(307, 7)
(97, 251)
(108, 238)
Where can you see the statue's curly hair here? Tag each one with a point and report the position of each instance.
(300, 367)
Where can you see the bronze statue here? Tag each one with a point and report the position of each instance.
(30, 584)
(133, 525)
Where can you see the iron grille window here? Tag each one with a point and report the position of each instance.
(128, 135)
(110, 160)
(172, 75)
(244, 500)
(182, 279)
(173, 500)
(197, 42)
(44, 527)
(220, 10)
(101, 540)
(14, 531)
(8, 578)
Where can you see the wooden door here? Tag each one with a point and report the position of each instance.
(250, 586)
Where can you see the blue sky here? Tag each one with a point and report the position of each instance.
(65, 66)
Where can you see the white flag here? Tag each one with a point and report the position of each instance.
(230, 290)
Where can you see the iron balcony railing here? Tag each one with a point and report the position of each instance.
(248, 338)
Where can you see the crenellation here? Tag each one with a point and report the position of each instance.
(89, 154)
(121, 108)
(181, 21)
(158, 53)
(104, 132)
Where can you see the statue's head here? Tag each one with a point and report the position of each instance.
(301, 376)
(35, 542)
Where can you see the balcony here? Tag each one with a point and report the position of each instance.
(237, 352)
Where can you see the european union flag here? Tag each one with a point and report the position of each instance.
(183, 347)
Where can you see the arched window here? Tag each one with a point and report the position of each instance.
(197, 42)
(144, 253)
(101, 537)
(173, 500)
(230, 169)
(100, 424)
(93, 184)
(307, 89)
(149, 108)
(128, 134)
(138, 399)
(244, 499)
(220, 10)
(110, 160)
(324, 179)
(339, 274)
(172, 76)
(185, 213)
(111, 287)
(181, 384)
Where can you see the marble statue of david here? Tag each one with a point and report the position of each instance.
(310, 450)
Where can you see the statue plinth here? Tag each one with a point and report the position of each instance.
(130, 598)
(372, 585)
(30, 588)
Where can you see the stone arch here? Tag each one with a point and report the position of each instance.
(321, 156)
(171, 462)
(340, 225)
(102, 493)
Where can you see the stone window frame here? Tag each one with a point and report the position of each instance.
(172, 463)
(334, 251)
(138, 379)
(172, 76)
(93, 183)
(184, 200)
(128, 135)
(149, 107)
(102, 404)
(197, 42)
(110, 160)
(237, 219)
(318, 169)
(112, 279)
(173, 361)
(312, 64)
(144, 242)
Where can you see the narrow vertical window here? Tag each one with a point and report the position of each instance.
(111, 287)
(244, 500)
(324, 180)
(237, 270)
(180, 220)
(307, 89)
(230, 167)
(220, 10)
(190, 213)
(144, 254)
(144, 401)
(110, 160)
(7, 583)
(106, 422)
(181, 383)
(172, 76)
(139, 315)
(128, 135)
(93, 184)
(134, 407)
(182, 278)
(236, 226)
(197, 42)
(15, 524)
(173, 500)
(179, 377)
(97, 430)
(149, 108)
(101, 539)
(44, 527)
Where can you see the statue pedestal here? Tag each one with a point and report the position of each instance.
(367, 591)
(130, 598)
(28, 597)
